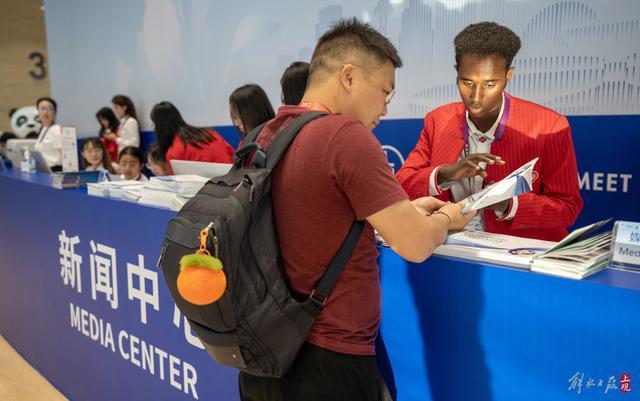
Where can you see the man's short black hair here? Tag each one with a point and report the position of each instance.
(486, 39)
(348, 38)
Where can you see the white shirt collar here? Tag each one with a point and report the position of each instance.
(473, 130)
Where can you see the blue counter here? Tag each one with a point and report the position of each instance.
(459, 330)
(83, 301)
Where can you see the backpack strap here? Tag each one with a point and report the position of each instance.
(253, 135)
(279, 145)
(250, 149)
(276, 149)
(323, 288)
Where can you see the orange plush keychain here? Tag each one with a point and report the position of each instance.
(201, 280)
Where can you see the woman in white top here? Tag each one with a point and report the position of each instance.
(49, 141)
(129, 130)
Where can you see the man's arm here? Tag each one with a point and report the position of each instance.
(560, 203)
(413, 235)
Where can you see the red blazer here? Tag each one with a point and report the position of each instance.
(531, 131)
(216, 151)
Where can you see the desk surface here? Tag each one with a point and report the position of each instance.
(455, 330)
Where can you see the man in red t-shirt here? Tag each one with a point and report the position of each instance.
(334, 172)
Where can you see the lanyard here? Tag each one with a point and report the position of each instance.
(498, 136)
(499, 131)
(41, 137)
(315, 106)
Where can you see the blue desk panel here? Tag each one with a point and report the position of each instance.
(96, 349)
(458, 330)
(454, 330)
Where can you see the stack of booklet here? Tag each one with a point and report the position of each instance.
(171, 192)
(76, 179)
(115, 189)
(577, 255)
(499, 249)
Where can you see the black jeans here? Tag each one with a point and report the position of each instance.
(319, 374)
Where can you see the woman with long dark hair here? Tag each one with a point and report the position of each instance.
(181, 141)
(129, 129)
(108, 124)
(249, 107)
(294, 83)
(95, 156)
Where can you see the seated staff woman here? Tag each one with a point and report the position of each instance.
(156, 163)
(95, 156)
(181, 141)
(131, 164)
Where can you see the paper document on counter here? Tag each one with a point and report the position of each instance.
(516, 183)
(499, 249)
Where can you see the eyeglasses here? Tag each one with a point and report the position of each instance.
(389, 93)
(45, 109)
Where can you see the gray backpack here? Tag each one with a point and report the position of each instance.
(256, 326)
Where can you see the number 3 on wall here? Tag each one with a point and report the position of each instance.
(39, 59)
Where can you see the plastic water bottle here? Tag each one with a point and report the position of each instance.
(28, 163)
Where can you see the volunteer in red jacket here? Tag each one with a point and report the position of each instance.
(468, 144)
(181, 141)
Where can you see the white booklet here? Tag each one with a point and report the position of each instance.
(493, 248)
(516, 183)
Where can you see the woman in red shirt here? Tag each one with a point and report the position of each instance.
(108, 124)
(181, 141)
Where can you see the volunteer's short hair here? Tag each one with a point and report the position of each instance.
(486, 39)
(351, 41)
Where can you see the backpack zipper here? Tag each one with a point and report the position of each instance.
(250, 188)
(163, 250)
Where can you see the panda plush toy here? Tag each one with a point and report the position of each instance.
(25, 121)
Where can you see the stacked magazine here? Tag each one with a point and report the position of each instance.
(114, 189)
(171, 192)
(577, 255)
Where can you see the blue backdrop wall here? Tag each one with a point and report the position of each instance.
(581, 58)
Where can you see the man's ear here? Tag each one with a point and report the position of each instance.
(346, 77)
(510, 73)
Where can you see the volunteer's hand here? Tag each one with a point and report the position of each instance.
(467, 167)
(110, 136)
